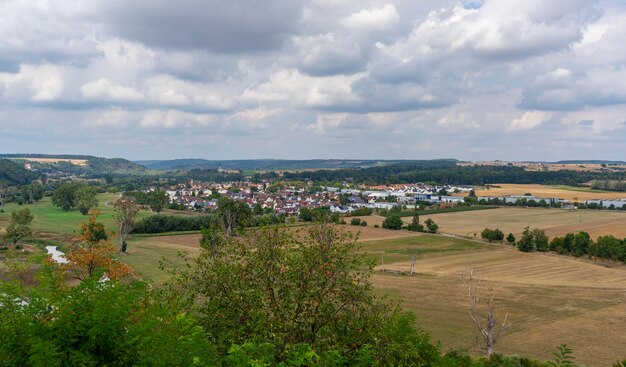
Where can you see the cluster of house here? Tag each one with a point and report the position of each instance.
(289, 200)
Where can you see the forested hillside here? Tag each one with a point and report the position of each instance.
(93, 166)
(447, 172)
(13, 174)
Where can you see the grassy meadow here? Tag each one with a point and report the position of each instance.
(49, 218)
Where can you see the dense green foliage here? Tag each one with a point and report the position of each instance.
(393, 221)
(493, 235)
(447, 172)
(97, 324)
(14, 174)
(95, 165)
(19, 226)
(610, 185)
(160, 223)
(277, 287)
(70, 195)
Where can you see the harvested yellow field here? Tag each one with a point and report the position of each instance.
(549, 299)
(562, 192)
(77, 162)
(556, 222)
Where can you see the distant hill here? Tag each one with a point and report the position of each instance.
(14, 174)
(263, 164)
(76, 164)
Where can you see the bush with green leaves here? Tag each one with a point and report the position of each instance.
(393, 221)
(97, 324)
(288, 289)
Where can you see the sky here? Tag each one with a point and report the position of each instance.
(414, 79)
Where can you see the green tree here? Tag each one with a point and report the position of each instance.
(540, 240)
(19, 226)
(415, 225)
(492, 235)
(32, 192)
(526, 243)
(510, 239)
(85, 199)
(393, 221)
(63, 196)
(582, 242)
(289, 289)
(157, 199)
(305, 215)
(233, 215)
(431, 225)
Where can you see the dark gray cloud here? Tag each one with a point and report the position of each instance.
(222, 26)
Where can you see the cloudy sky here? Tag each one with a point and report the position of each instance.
(161, 79)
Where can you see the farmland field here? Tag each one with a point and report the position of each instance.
(550, 299)
(77, 162)
(545, 191)
(556, 222)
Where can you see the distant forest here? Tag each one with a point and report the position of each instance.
(447, 172)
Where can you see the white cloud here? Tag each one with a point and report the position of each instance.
(107, 90)
(301, 90)
(530, 120)
(379, 18)
(38, 83)
(171, 119)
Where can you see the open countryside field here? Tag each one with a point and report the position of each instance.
(49, 218)
(556, 222)
(550, 299)
(546, 191)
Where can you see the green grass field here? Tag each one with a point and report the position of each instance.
(49, 218)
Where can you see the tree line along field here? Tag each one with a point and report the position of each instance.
(550, 299)
(556, 222)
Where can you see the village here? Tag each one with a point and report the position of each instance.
(288, 199)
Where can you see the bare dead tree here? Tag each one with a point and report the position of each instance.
(125, 213)
(483, 317)
(413, 258)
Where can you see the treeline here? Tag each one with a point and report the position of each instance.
(578, 245)
(160, 223)
(445, 172)
(171, 223)
(608, 185)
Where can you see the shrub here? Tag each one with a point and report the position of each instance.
(355, 221)
(393, 221)
(171, 223)
(363, 223)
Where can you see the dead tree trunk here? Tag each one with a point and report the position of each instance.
(484, 317)
(413, 258)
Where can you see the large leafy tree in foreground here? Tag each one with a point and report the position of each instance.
(291, 288)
